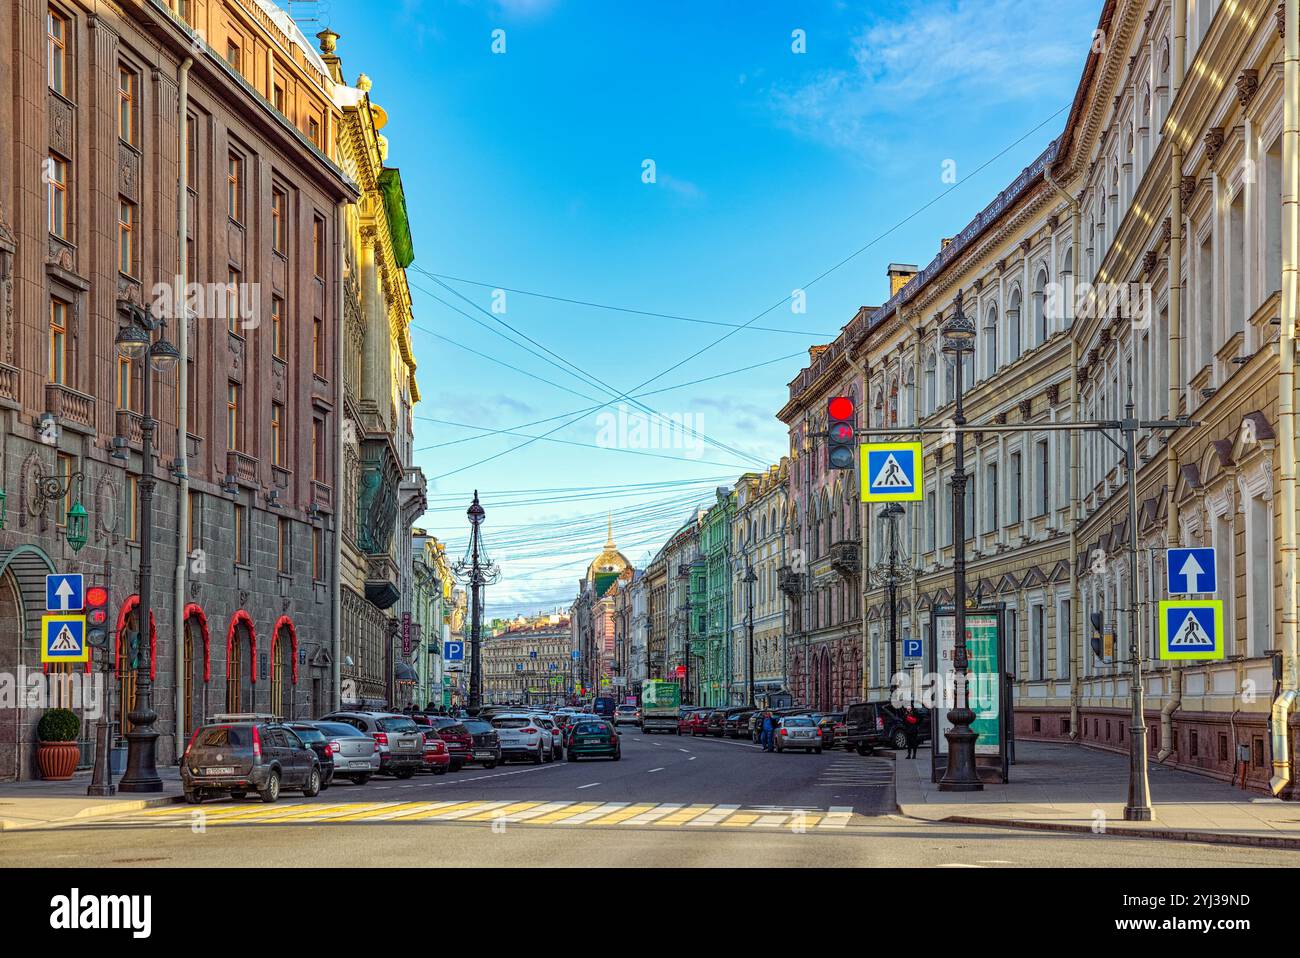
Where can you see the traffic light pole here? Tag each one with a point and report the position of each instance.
(1138, 807)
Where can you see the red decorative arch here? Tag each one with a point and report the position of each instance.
(195, 611)
(242, 616)
(285, 621)
(130, 604)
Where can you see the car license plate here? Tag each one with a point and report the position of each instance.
(223, 770)
(482, 754)
(356, 764)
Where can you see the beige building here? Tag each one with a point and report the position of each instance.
(528, 662)
(758, 534)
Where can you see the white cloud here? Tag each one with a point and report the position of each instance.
(979, 53)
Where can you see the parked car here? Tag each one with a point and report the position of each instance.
(756, 724)
(872, 725)
(593, 738)
(832, 726)
(238, 754)
(798, 731)
(401, 743)
(557, 734)
(736, 723)
(697, 723)
(715, 723)
(627, 715)
(522, 737)
(458, 739)
(436, 757)
(485, 745)
(356, 755)
(315, 739)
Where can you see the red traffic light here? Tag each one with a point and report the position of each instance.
(841, 407)
(681, 671)
(96, 596)
(841, 432)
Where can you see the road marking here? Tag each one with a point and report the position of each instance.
(499, 813)
(622, 815)
(659, 769)
(544, 809)
(739, 820)
(771, 820)
(379, 812)
(684, 815)
(837, 817)
(655, 813)
(599, 811)
(687, 750)
(474, 808)
(692, 758)
(592, 785)
(572, 810)
(714, 815)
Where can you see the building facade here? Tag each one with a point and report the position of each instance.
(528, 662)
(758, 537)
(91, 239)
(714, 645)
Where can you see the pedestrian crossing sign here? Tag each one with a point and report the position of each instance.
(891, 472)
(63, 638)
(1191, 629)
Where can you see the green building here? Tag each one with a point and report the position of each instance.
(714, 645)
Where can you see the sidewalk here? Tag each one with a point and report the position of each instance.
(35, 803)
(1072, 788)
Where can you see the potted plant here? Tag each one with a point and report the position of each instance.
(57, 753)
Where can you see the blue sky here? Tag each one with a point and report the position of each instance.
(524, 171)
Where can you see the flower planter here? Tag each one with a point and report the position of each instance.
(57, 760)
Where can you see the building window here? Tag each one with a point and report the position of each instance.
(1064, 625)
(59, 315)
(1044, 478)
(282, 541)
(1038, 642)
(277, 326)
(234, 187)
(57, 195)
(57, 52)
(234, 56)
(279, 220)
(232, 415)
(318, 246)
(313, 130)
(232, 300)
(277, 434)
(1017, 477)
(1259, 583)
(125, 384)
(277, 97)
(128, 92)
(991, 498)
(318, 347)
(126, 244)
(318, 449)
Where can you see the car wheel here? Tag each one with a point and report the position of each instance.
(489, 765)
(900, 739)
(237, 796)
(360, 779)
(404, 773)
(312, 788)
(559, 754)
(617, 756)
(537, 759)
(865, 749)
(272, 790)
(457, 766)
(194, 797)
(440, 770)
(818, 750)
(572, 757)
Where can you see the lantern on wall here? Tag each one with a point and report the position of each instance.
(77, 524)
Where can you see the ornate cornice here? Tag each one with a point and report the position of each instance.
(1247, 86)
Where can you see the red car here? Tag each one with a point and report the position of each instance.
(460, 743)
(694, 722)
(436, 757)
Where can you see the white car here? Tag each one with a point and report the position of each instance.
(557, 736)
(523, 736)
(627, 715)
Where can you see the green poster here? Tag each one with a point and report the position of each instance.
(982, 661)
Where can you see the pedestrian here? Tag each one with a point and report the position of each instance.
(911, 730)
(769, 732)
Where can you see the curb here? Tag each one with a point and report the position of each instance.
(1162, 834)
(94, 811)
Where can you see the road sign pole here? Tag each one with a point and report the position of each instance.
(1138, 808)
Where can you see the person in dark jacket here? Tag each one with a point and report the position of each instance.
(769, 732)
(911, 729)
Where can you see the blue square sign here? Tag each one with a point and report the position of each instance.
(1191, 571)
(911, 648)
(65, 592)
(453, 651)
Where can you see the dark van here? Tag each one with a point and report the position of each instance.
(872, 725)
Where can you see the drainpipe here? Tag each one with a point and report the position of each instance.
(1076, 630)
(1285, 703)
(336, 573)
(1175, 352)
(183, 405)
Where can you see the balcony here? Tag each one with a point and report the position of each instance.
(76, 410)
(130, 426)
(8, 385)
(383, 581)
(322, 494)
(243, 467)
(789, 581)
(846, 558)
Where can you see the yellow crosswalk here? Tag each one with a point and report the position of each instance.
(477, 811)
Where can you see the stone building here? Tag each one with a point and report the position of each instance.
(758, 537)
(592, 615)
(92, 98)
(384, 493)
(528, 662)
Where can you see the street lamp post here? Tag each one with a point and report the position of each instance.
(134, 342)
(687, 619)
(960, 775)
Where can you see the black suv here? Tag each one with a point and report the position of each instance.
(872, 725)
(238, 754)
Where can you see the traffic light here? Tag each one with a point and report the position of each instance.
(841, 434)
(97, 617)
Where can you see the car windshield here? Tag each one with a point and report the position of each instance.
(339, 729)
(797, 722)
(511, 722)
(307, 733)
(476, 726)
(592, 728)
(396, 725)
(225, 736)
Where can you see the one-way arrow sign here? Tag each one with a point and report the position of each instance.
(1191, 571)
(65, 592)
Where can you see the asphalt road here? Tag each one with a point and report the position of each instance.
(669, 801)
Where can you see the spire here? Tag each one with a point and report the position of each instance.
(609, 538)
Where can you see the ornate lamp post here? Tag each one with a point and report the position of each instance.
(960, 775)
(892, 573)
(744, 567)
(135, 342)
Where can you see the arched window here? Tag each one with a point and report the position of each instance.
(928, 398)
(990, 344)
(1013, 326)
(1041, 326)
(893, 403)
(909, 396)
